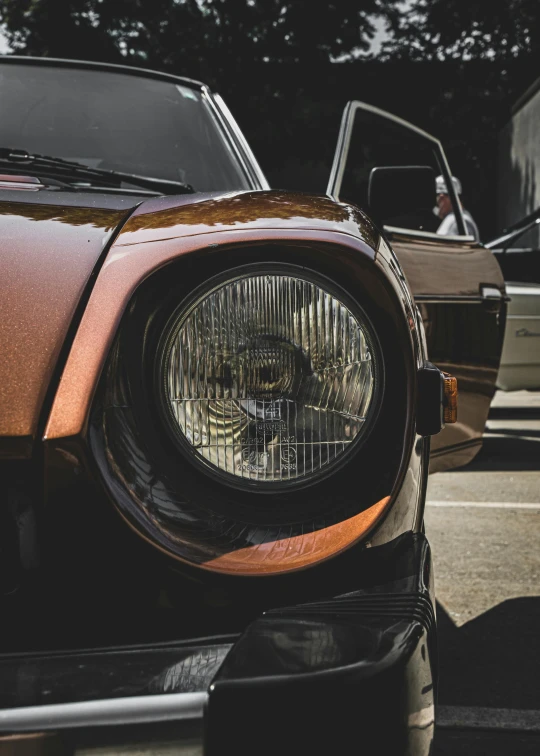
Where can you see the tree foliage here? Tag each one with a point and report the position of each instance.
(192, 34)
(498, 30)
(199, 35)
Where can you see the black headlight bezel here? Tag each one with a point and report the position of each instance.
(184, 310)
(138, 460)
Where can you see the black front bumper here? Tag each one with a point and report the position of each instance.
(354, 673)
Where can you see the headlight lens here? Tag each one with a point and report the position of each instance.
(269, 378)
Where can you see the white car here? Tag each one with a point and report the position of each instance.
(520, 359)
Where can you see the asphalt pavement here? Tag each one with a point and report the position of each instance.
(483, 523)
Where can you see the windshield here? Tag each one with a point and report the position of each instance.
(117, 121)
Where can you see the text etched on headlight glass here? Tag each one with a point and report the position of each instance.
(269, 378)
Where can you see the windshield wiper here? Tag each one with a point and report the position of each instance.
(70, 168)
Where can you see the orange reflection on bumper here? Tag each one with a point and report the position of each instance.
(297, 552)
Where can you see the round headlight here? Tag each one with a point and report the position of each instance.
(269, 377)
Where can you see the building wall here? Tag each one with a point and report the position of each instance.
(519, 166)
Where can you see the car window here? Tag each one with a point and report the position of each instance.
(373, 139)
(117, 121)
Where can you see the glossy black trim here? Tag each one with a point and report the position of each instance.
(429, 407)
(359, 669)
(125, 437)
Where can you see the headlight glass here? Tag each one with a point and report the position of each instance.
(269, 378)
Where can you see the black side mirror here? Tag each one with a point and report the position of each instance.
(403, 196)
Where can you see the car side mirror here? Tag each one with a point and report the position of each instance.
(403, 196)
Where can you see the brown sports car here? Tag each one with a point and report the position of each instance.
(216, 410)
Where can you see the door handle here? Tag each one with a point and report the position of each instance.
(492, 298)
(491, 293)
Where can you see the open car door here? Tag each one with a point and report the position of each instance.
(388, 167)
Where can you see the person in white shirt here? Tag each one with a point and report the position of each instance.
(445, 211)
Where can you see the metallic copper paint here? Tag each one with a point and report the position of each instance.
(164, 218)
(462, 337)
(144, 246)
(151, 240)
(47, 254)
(444, 268)
(302, 551)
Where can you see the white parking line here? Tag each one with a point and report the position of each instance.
(510, 436)
(484, 504)
(480, 718)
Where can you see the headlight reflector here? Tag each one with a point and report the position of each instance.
(269, 378)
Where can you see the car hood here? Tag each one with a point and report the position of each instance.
(50, 245)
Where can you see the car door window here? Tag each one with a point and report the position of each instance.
(372, 139)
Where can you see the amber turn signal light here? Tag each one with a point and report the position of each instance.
(450, 398)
